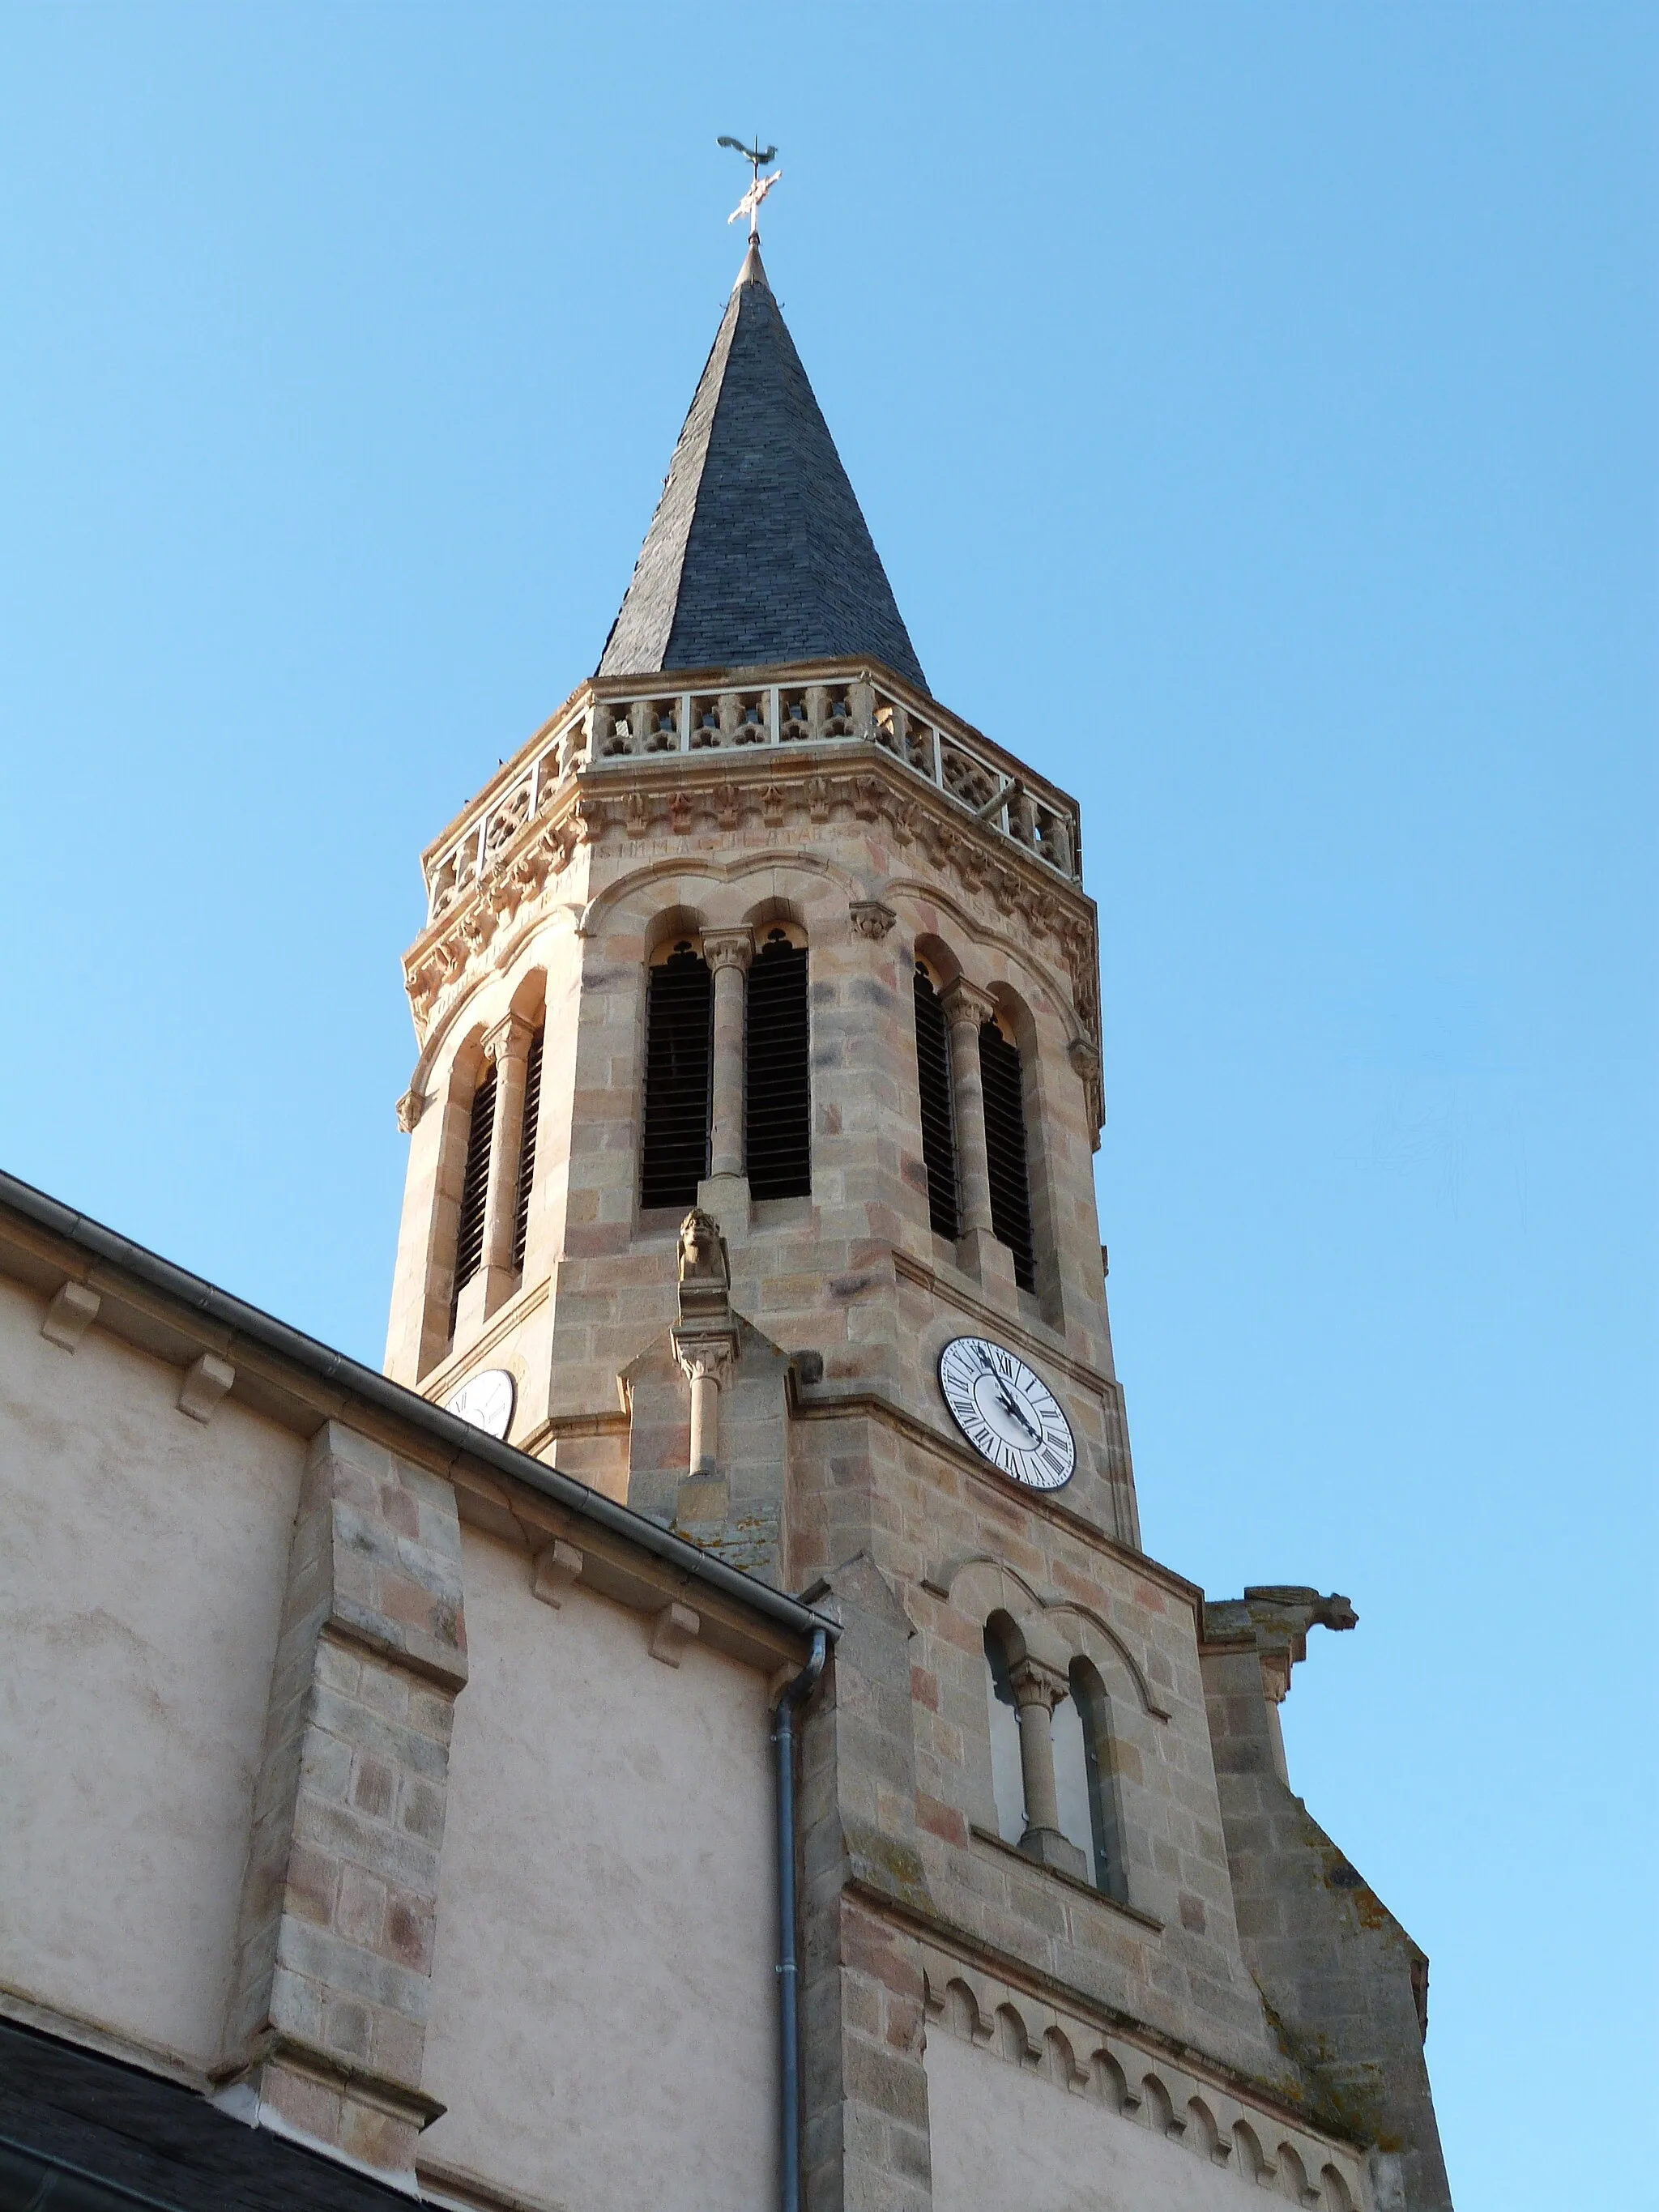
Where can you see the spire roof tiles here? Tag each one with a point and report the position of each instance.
(759, 551)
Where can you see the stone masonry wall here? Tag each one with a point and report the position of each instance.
(1347, 1986)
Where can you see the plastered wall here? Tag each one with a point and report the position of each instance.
(604, 1997)
(141, 1581)
(1003, 2135)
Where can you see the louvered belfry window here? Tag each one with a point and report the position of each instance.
(532, 1107)
(474, 1185)
(777, 1083)
(1005, 1149)
(938, 1145)
(679, 1010)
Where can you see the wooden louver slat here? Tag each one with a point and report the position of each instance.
(475, 1186)
(678, 1021)
(532, 1105)
(938, 1144)
(778, 1089)
(1002, 1080)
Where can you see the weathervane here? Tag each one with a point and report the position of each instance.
(750, 204)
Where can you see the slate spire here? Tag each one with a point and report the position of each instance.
(758, 550)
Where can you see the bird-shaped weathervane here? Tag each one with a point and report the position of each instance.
(750, 204)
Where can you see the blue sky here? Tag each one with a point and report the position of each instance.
(1255, 408)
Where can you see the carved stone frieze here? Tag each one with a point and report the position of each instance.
(659, 797)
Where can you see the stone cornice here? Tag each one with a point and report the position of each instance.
(620, 803)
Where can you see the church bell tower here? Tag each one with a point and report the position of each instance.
(750, 1183)
(754, 925)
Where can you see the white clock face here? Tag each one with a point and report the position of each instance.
(486, 1401)
(1009, 1415)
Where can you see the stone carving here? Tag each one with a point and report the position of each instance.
(472, 904)
(727, 948)
(870, 918)
(703, 1257)
(1276, 1616)
(410, 1107)
(705, 1337)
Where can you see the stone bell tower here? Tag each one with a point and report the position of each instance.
(758, 770)
(751, 1184)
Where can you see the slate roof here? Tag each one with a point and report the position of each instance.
(84, 2133)
(758, 550)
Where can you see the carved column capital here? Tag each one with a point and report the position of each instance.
(706, 1358)
(410, 1107)
(870, 918)
(508, 1040)
(728, 948)
(1084, 1058)
(1034, 1682)
(965, 1003)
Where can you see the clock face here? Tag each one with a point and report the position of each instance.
(1009, 1415)
(486, 1401)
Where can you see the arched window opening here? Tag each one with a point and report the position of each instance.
(777, 1087)
(938, 1144)
(1083, 1778)
(1002, 1079)
(475, 1186)
(1007, 1776)
(678, 1026)
(532, 1107)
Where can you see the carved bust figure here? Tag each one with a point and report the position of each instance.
(702, 1249)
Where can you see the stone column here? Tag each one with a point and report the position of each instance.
(725, 1190)
(967, 1010)
(1037, 1690)
(509, 1045)
(708, 1365)
(326, 2029)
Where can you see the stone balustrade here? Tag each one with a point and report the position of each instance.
(620, 720)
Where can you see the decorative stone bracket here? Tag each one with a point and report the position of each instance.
(1271, 1623)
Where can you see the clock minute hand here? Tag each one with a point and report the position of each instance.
(1012, 1402)
(1021, 1415)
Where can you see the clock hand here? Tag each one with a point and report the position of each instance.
(1011, 1401)
(1021, 1415)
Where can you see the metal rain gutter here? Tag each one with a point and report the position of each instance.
(783, 1739)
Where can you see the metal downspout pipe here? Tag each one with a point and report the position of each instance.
(783, 1739)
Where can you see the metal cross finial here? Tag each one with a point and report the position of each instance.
(750, 204)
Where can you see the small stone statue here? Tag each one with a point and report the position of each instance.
(702, 1251)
